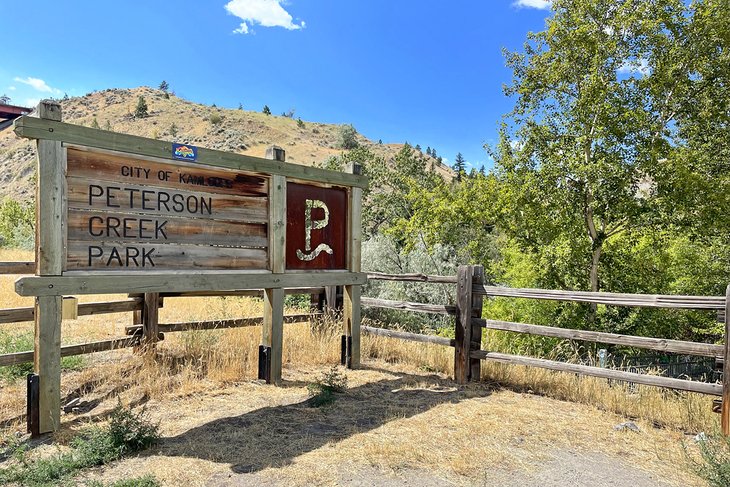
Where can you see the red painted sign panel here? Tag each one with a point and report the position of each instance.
(316, 229)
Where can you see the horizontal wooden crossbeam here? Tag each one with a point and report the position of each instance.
(38, 128)
(178, 282)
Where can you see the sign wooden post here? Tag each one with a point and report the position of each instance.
(351, 294)
(272, 335)
(50, 256)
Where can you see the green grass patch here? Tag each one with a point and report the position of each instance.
(126, 432)
(715, 464)
(145, 481)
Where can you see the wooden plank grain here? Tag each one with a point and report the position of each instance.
(409, 306)
(17, 267)
(403, 335)
(153, 200)
(71, 350)
(89, 255)
(185, 281)
(130, 227)
(645, 379)
(611, 299)
(29, 127)
(415, 277)
(89, 164)
(661, 344)
(19, 315)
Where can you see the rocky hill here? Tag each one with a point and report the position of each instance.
(173, 118)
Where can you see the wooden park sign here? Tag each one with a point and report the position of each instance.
(118, 213)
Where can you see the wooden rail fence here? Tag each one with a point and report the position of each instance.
(468, 352)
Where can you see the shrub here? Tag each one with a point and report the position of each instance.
(173, 129)
(347, 137)
(17, 224)
(715, 466)
(126, 432)
(323, 390)
(215, 118)
(300, 123)
(266, 110)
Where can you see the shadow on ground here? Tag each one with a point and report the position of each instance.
(275, 436)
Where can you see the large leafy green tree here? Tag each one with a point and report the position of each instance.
(609, 100)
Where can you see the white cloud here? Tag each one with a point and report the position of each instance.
(539, 4)
(32, 102)
(37, 84)
(266, 13)
(12, 88)
(636, 66)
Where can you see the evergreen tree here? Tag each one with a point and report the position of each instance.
(418, 147)
(4, 99)
(428, 150)
(266, 110)
(459, 166)
(433, 154)
(140, 110)
(240, 106)
(164, 86)
(300, 123)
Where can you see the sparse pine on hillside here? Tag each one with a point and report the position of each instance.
(459, 166)
(140, 110)
(266, 110)
(300, 123)
(164, 86)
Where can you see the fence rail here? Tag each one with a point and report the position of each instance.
(468, 322)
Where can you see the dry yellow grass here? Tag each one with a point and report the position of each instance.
(401, 412)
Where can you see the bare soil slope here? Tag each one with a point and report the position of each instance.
(240, 131)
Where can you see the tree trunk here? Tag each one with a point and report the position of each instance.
(595, 260)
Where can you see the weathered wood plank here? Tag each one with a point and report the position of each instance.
(89, 164)
(221, 324)
(17, 267)
(463, 332)
(73, 134)
(49, 257)
(93, 194)
(649, 380)
(70, 350)
(725, 408)
(19, 315)
(273, 331)
(150, 319)
(352, 304)
(132, 257)
(47, 360)
(277, 224)
(612, 299)
(403, 335)
(409, 306)
(381, 276)
(661, 344)
(475, 365)
(247, 292)
(177, 282)
(131, 227)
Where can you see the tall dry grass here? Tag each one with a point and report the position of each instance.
(200, 361)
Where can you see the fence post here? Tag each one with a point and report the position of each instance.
(50, 255)
(150, 320)
(464, 330)
(725, 412)
(477, 300)
(272, 336)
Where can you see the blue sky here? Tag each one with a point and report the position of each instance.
(427, 72)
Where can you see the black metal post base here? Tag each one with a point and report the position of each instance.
(265, 363)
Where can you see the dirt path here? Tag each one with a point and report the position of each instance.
(395, 426)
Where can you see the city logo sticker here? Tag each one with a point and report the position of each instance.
(184, 152)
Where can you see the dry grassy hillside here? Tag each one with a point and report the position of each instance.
(240, 131)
